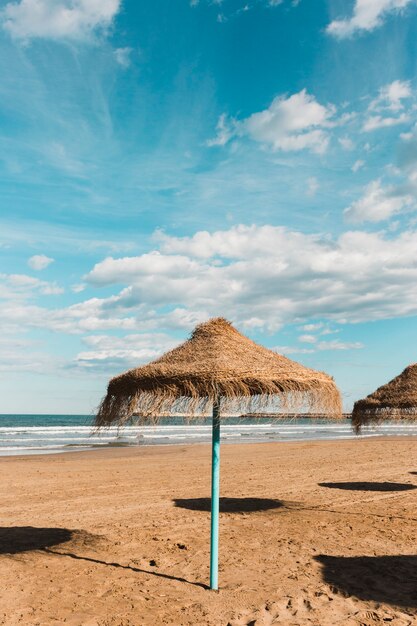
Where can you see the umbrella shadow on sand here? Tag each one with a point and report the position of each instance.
(370, 486)
(229, 505)
(388, 579)
(18, 539)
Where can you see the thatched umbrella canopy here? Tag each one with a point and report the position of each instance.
(220, 368)
(216, 362)
(395, 400)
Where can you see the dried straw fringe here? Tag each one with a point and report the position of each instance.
(365, 416)
(396, 400)
(236, 396)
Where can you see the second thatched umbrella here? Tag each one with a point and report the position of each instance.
(395, 400)
(218, 368)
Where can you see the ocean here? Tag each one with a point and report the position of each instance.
(40, 434)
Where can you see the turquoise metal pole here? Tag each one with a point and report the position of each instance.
(215, 479)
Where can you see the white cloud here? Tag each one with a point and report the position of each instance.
(391, 96)
(357, 165)
(58, 19)
(379, 203)
(88, 316)
(320, 347)
(319, 327)
(292, 350)
(123, 352)
(312, 327)
(130, 268)
(307, 338)
(378, 121)
(329, 331)
(39, 261)
(328, 345)
(225, 130)
(367, 15)
(94, 314)
(387, 109)
(237, 242)
(21, 286)
(339, 345)
(295, 123)
(122, 56)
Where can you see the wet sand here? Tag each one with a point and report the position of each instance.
(317, 533)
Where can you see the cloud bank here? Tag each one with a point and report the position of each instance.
(260, 277)
(267, 276)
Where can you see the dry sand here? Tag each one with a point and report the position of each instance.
(121, 537)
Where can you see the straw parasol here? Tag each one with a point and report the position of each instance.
(395, 400)
(220, 370)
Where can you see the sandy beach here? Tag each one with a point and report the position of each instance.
(317, 533)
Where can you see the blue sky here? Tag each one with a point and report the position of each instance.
(165, 162)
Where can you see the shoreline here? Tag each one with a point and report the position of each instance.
(158, 448)
(25, 438)
(73, 448)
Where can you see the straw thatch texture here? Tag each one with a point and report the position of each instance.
(217, 361)
(395, 400)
